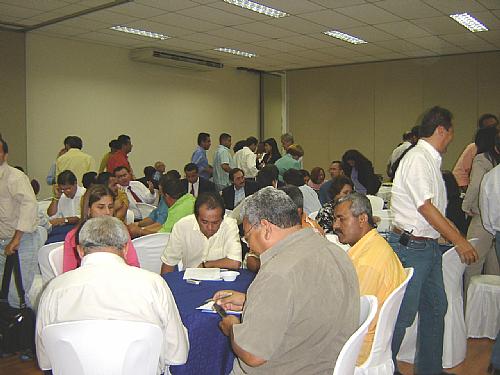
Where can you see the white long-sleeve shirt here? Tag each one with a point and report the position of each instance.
(142, 192)
(246, 160)
(105, 287)
(489, 200)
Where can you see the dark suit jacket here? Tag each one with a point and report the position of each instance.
(228, 193)
(205, 185)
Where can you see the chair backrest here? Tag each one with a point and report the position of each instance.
(346, 361)
(111, 347)
(381, 347)
(376, 202)
(44, 205)
(149, 250)
(453, 270)
(56, 260)
(43, 261)
(145, 209)
(129, 219)
(313, 215)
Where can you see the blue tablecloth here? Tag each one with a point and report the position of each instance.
(210, 351)
(58, 233)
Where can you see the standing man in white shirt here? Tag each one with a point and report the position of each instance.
(136, 191)
(246, 160)
(222, 162)
(419, 203)
(205, 239)
(129, 293)
(65, 205)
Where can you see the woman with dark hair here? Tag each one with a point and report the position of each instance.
(317, 178)
(272, 152)
(488, 156)
(360, 169)
(97, 201)
(341, 186)
(119, 195)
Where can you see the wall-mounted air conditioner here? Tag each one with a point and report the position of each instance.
(174, 59)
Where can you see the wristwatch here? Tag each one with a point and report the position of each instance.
(66, 221)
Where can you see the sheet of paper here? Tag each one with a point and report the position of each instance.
(207, 307)
(202, 274)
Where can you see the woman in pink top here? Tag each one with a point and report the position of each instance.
(97, 201)
(317, 178)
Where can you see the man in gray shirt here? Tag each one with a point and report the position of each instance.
(303, 304)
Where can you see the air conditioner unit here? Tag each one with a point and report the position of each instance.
(174, 59)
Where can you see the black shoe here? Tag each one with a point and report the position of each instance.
(397, 373)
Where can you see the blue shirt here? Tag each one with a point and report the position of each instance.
(221, 177)
(159, 215)
(199, 158)
(324, 192)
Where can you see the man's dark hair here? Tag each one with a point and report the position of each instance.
(149, 172)
(266, 176)
(211, 199)
(119, 168)
(485, 139)
(172, 186)
(173, 173)
(66, 178)
(338, 162)
(239, 145)
(123, 139)
(189, 167)
(337, 184)
(415, 131)
(407, 136)
(224, 137)
(115, 144)
(233, 171)
(103, 178)
(5, 146)
(436, 116)
(89, 179)
(202, 137)
(20, 168)
(294, 193)
(293, 177)
(484, 117)
(73, 141)
(252, 141)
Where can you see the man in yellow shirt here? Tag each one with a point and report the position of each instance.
(378, 267)
(75, 160)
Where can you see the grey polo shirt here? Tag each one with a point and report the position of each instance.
(301, 308)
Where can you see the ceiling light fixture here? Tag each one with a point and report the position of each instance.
(259, 8)
(145, 33)
(345, 37)
(236, 52)
(469, 22)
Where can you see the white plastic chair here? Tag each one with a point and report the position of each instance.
(483, 306)
(56, 260)
(386, 218)
(313, 215)
(346, 361)
(43, 261)
(44, 205)
(149, 250)
(129, 219)
(145, 209)
(454, 337)
(379, 362)
(376, 202)
(111, 347)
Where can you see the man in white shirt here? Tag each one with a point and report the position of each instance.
(65, 206)
(136, 191)
(246, 160)
(105, 287)
(419, 203)
(205, 239)
(409, 138)
(311, 201)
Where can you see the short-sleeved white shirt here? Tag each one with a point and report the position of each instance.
(418, 179)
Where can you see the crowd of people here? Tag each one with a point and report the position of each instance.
(258, 208)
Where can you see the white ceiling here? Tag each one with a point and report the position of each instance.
(394, 29)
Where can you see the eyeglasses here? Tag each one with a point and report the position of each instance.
(245, 234)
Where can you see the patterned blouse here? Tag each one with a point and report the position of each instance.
(325, 217)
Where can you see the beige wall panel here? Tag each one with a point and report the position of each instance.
(13, 95)
(272, 107)
(488, 83)
(96, 92)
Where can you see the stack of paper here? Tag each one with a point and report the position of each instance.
(202, 274)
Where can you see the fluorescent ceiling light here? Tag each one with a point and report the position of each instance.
(344, 37)
(148, 34)
(235, 52)
(469, 22)
(259, 8)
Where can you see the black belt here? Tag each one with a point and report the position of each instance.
(412, 237)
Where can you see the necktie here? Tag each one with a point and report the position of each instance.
(136, 197)
(192, 190)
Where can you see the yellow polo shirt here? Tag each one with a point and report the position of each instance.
(77, 162)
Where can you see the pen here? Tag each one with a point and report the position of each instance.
(224, 296)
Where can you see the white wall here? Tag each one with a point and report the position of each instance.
(97, 93)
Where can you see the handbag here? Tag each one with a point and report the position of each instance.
(17, 325)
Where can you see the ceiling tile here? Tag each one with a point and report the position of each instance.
(369, 49)
(180, 44)
(265, 29)
(137, 10)
(399, 45)
(217, 16)
(390, 56)
(85, 23)
(408, 9)
(489, 19)
(296, 24)
(293, 6)
(439, 25)
(331, 19)
(230, 8)
(170, 5)
(480, 47)
(490, 4)
(403, 29)
(18, 12)
(110, 17)
(436, 44)
(238, 35)
(340, 52)
(369, 33)
(490, 36)
(209, 40)
(171, 31)
(259, 50)
(420, 53)
(278, 45)
(369, 13)
(463, 39)
(332, 4)
(118, 40)
(57, 29)
(189, 23)
(43, 5)
(305, 41)
(455, 6)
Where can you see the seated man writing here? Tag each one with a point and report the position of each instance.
(65, 205)
(205, 238)
(302, 306)
(377, 265)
